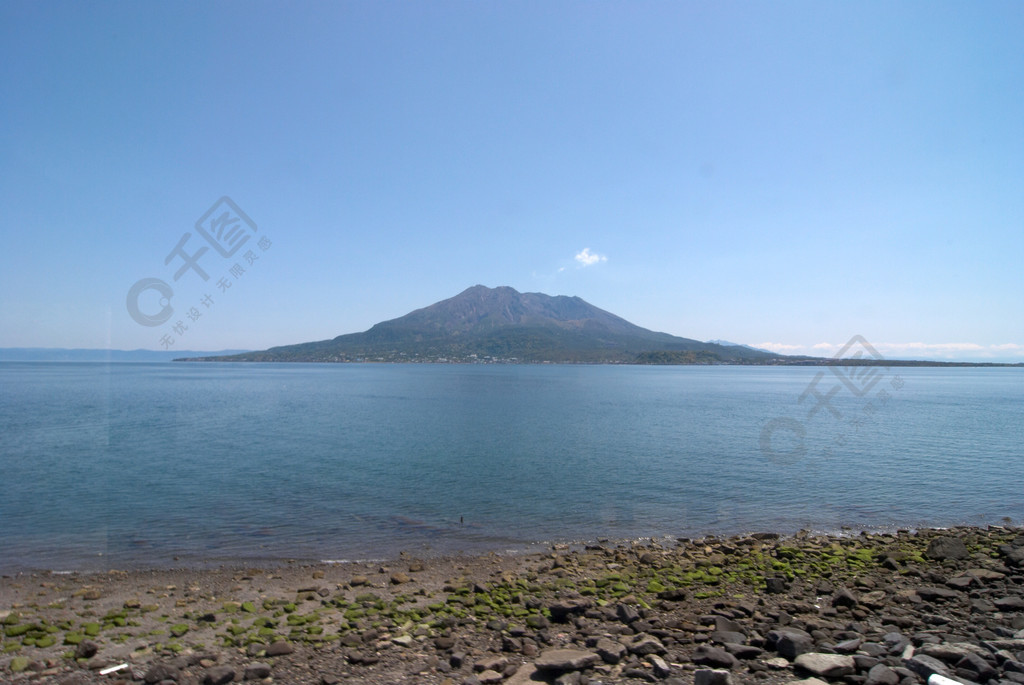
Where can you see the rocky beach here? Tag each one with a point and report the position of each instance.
(861, 609)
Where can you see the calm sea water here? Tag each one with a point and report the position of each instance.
(161, 465)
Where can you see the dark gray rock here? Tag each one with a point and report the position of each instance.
(86, 649)
(791, 642)
(660, 666)
(707, 676)
(826, 665)
(925, 666)
(727, 625)
(610, 651)
(977, 668)
(160, 672)
(848, 646)
(880, 674)
(776, 586)
(627, 613)
(844, 598)
(643, 645)
(257, 671)
(724, 637)
(945, 547)
(559, 660)
(562, 611)
(744, 652)
(937, 594)
(280, 648)
(864, 662)
(1010, 604)
(219, 675)
(714, 657)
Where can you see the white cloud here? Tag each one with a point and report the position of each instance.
(585, 258)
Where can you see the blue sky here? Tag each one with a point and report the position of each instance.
(781, 174)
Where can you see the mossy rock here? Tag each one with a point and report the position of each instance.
(248, 607)
(46, 641)
(18, 630)
(73, 638)
(179, 629)
(19, 664)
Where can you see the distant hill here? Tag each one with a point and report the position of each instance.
(501, 324)
(60, 354)
(726, 343)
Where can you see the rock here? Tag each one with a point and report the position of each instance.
(403, 640)
(844, 598)
(1010, 604)
(848, 646)
(489, 676)
(560, 660)
(18, 664)
(826, 665)
(726, 637)
(950, 652)
(979, 669)
(280, 648)
(707, 676)
(643, 645)
(727, 625)
(807, 681)
(926, 666)
(159, 672)
(399, 578)
(776, 586)
(874, 599)
(880, 674)
(490, 663)
(86, 649)
(257, 671)
(714, 657)
(219, 675)
(660, 666)
(356, 581)
(934, 594)
(444, 642)
(562, 611)
(743, 651)
(610, 651)
(944, 547)
(791, 642)
(627, 613)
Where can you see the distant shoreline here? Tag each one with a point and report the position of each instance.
(796, 361)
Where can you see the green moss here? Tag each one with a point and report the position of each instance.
(179, 629)
(91, 629)
(73, 638)
(17, 630)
